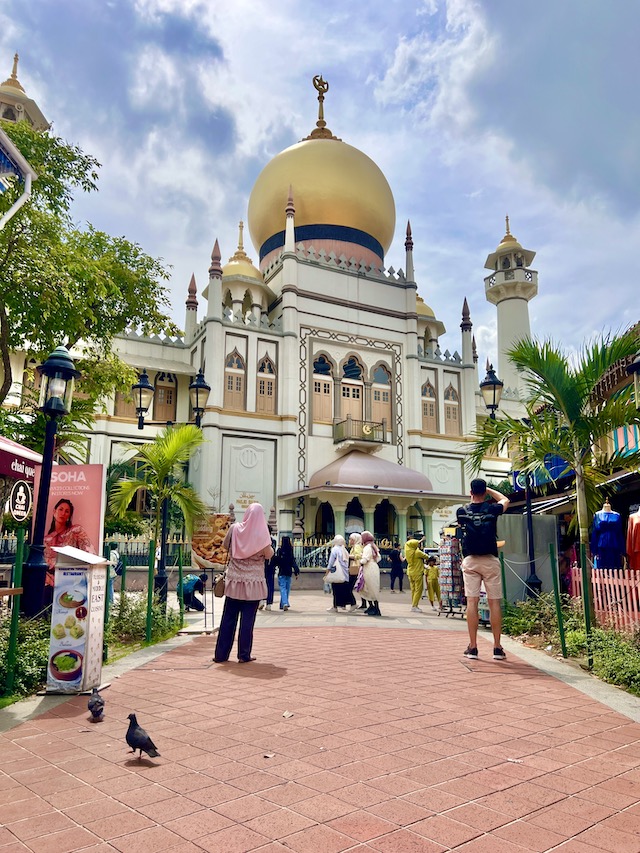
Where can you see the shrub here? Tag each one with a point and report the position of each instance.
(31, 660)
(616, 659)
(128, 620)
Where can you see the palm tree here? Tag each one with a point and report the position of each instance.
(160, 471)
(564, 419)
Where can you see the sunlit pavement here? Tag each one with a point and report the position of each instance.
(336, 738)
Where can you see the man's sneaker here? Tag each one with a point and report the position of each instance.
(416, 610)
(470, 653)
(498, 653)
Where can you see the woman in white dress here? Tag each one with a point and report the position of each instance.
(371, 572)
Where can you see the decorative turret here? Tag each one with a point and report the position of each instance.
(408, 245)
(467, 338)
(290, 233)
(215, 270)
(510, 287)
(191, 314)
(15, 105)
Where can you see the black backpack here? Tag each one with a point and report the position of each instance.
(477, 530)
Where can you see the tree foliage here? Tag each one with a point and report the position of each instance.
(562, 418)
(63, 284)
(160, 468)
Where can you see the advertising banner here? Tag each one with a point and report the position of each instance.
(77, 622)
(75, 511)
(207, 551)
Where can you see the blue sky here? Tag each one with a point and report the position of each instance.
(472, 108)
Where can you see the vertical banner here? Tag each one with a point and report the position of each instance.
(77, 622)
(75, 511)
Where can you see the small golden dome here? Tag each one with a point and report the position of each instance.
(240, 264)
(508, 242)
(422, 309)
(12, 83)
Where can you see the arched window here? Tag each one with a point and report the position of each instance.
(322, 390)
(452, 425)
(352, 389)
(429, 408)
(506, 263)
(9, 114)
(165, 397)
(247, 305)
(234, 381)
(381, 396)
(227, 305)
(266, 387)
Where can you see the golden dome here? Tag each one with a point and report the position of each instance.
(12, 83)
(508, 242)
(240, 264)
(333, 184)
(422, 309)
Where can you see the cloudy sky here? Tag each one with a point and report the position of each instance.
(472, 108)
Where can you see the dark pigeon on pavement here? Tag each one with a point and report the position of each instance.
(137, 738)
(96, 705)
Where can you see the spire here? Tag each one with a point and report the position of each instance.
(13, 79)
(289, 229)
(408, 245)
(466, 324)
(192, 300)
(508, 237)
(321, 131)
(290, 209)
(215, 269)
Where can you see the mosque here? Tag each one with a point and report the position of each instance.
(333, 397)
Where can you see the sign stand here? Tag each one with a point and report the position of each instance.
(77, 622)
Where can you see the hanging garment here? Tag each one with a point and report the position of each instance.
(633, 541)
(607, 540)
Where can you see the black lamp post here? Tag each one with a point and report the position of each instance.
(142, 396)
(56, 393)
(633, 369)
(199, 393)
(491, 390)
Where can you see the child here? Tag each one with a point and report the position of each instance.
(433, 583)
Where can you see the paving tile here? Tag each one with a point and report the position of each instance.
(404, 841)
(151, 840)
(35, 826)
(608, 839)
(244, 808)
(198, 824)
(122, 823)
(362, 825)
(279, 824)
(529, 836)
(479, 816)
(317, 838)
(233, 839)
(399, 811)
(445, 830)
(323, 807)
(66, 841)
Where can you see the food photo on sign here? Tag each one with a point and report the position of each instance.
(207, 550)
(68, 628)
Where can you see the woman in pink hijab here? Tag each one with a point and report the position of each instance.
(249, 544)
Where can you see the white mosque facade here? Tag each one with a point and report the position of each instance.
(333, 397)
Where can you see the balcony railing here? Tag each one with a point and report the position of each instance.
(354, 430)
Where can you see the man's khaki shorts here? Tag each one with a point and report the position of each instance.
(482, 568)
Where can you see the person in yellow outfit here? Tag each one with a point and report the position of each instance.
(433, 583)
(415, 570)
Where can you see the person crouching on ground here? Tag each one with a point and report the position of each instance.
(433, 583)
(249, 544)
(415, 570)
(355, 553)
(287, 567)
(371, 572)
(191, 585)
(338, 567)
(478, 521)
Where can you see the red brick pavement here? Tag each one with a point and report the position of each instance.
(397, 744)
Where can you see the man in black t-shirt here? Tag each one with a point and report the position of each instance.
(478, 522)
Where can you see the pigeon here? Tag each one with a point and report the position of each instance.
(96, 705)
(137, 738)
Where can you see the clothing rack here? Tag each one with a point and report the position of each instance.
(451, 584)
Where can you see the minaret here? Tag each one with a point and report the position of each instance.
(213, 291)
(467, 338)
(510, 287)
(191, 313)
(408, 245)
(16, 105)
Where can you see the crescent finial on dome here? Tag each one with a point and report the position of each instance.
(321, 131)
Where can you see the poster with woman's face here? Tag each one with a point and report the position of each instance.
(75, 510)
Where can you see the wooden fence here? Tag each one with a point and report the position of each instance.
(616, 596)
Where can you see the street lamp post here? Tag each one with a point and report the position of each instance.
(142, 396)
(491, 389)
(56, 394)
(199, 393)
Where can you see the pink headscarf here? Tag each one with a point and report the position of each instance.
(367, 539)
(251, 535)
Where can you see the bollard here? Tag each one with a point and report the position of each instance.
(15, 614)
(180, 589)
(152, 557)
